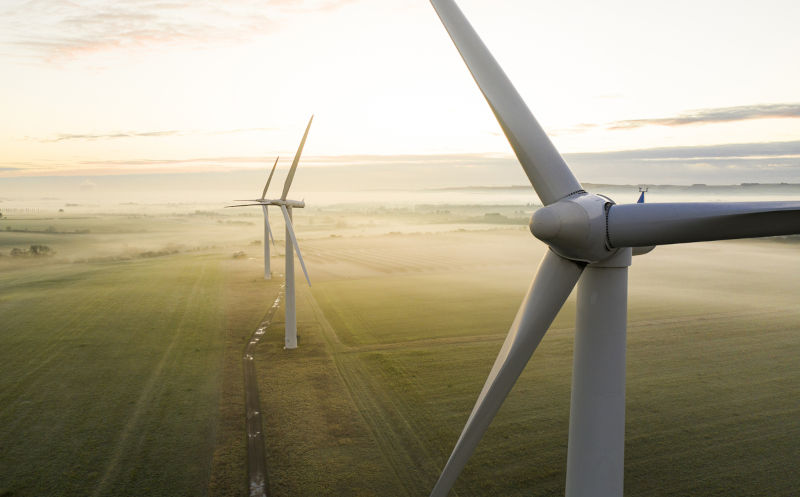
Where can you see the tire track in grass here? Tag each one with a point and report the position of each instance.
(146, 394)
(256, 453)
(498, 337)
(55, 346)
(401, 447)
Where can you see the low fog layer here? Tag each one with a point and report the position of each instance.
(326, 186)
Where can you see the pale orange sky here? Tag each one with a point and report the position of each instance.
(106, 87)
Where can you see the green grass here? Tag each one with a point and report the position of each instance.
(317, 439)
(246, 297)
(124, 377)
(714, 333)
(110, 377)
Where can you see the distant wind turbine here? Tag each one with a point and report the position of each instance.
(591, 240)
(642, 191)
(286, 206)
(267, 230)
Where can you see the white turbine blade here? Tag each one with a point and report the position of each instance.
(638, 225)
(269, 229)
(546, 169)
(296, 160)
(290, 229)
(264, 193)
(552, 285)
(272, 238)
(241, 205)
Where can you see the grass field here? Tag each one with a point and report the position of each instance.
(412, 324)
(102, 361)
(120, 360)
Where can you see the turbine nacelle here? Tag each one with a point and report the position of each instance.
(295, 204)
(575, 227)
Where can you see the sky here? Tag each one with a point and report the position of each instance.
(633, 92)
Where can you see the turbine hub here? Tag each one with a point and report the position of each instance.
(575, 227)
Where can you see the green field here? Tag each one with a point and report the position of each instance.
(120, 359)
(119, 363)
(712, 371)
(99, 361)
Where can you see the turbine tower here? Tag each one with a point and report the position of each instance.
(591, 241)
(286, 206)
(267, 230)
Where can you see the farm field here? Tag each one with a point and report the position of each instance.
(120, 358)
(99, 362)
(411, 324)
(120, 346)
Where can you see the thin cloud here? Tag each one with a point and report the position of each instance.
(786, 149)
(717, 115)
(54, 30)
(735, 152)
(145, 134)
(88, 136)
(713, 164)
(733, 163)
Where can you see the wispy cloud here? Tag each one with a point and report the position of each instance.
(52, 29)
(733, 163)
(696, 117)
(787, 149)
(717, 115)
(712, 164)
(144, 134)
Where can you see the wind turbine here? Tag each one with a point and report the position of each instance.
(642, 191)
(286, 206)
(267, 230)
(591, 241)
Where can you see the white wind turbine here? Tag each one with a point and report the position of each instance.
(286, 206)
(591, 240)
(267, 230)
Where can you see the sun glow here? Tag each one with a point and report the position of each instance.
(236, 81)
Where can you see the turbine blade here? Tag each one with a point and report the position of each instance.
(264, 193)
(296, 160)
(638, 225)
(546, 169)
(290, 229)
(272, 238)
(552, 285)
(269, 229)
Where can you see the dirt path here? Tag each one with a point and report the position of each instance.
(256, 456)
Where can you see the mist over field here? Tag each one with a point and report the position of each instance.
(143, 322)
(126, 302)
(395, 185)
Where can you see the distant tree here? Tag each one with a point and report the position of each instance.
(39, 250)
(16, 252)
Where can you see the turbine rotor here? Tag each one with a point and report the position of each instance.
(576, 227)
